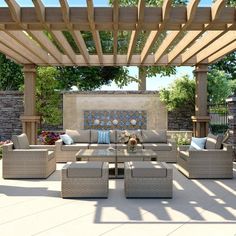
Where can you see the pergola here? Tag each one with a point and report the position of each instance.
(193, 36)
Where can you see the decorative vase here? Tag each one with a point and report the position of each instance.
(132, 145)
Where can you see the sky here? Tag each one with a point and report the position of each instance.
(154, 83)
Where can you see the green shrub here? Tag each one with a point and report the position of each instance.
(182, 139)
(218, 128)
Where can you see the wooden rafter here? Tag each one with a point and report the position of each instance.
(135, 33)
(13, 55)
(29, 44)
(78, 38)
(115, 28)
(202, 43)
(216, 46)
(57, 35)
(18, 48)
(221, 53)
(209, 33)
(168, 41)
(156, 33)
(95, 33)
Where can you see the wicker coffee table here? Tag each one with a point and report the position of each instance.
(115, 156)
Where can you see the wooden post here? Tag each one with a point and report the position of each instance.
(30, 120)
(201, 118)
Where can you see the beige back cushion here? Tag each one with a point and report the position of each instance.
(214, 141)
(94, 136)
(79, 136)
(20, 141)
(154, 136)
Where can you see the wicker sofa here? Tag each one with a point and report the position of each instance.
(210, 162)
(21, 160)
(83, 139)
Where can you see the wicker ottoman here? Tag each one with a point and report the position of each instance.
(146, 179)
(85, 180)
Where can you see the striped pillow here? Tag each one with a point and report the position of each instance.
(104, 137)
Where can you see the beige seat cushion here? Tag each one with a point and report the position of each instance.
(147, 169)
(84, 169)
(158, 146)
(20, 141)
(214, 141)
(94, 136)
(79, 136)
(154, 136)
(75, 147)
(100, 146)
(124, 146)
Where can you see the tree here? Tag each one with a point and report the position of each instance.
(90, 78)
(11, 77)
(47, 97)
(227, 64)
(180, 93)
(219, 86)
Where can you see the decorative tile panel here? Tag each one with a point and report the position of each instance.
(115, 119)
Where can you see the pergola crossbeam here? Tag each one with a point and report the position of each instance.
(166, 8)
(95, 33)
(135, 33)
(191, 11)
(193, 34)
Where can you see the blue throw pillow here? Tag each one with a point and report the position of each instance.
(104, 137)
(197, 143)
(66, 139)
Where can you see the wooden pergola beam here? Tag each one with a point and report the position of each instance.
(18, 48)
(95, 33)
(46, 44)
(202, 43)
(170, 39)
(78, 38)
(30, 44)
(115, 29)
(223, 52)
(216, 46)
(15, 10)
(13, 55)
(166, 8)
(135, 33)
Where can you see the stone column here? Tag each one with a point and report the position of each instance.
(201, 118)
(231, 104)
(30, 120)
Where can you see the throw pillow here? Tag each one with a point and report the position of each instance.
(104, 137)
(226, 137)
(20, 141)
(66, 139)
(214, 141)
(79, 136)
(197, 143)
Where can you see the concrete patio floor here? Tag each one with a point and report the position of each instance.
(198, 207)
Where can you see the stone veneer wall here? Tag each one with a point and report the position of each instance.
(180, 119)
(11, 107)
(75, 103)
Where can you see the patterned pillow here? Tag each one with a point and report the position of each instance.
(104, 137)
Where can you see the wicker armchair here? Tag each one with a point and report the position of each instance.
(28, 162)
(206, 163)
